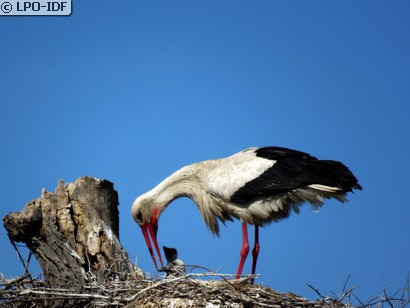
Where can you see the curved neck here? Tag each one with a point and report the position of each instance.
(187, 182)
(182, 183)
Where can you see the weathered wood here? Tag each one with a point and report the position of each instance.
(73, 233)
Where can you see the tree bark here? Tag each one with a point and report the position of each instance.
(73, 233)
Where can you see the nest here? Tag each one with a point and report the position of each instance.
(177, 289)
(187, 290)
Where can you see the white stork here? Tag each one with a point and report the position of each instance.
(256, 186)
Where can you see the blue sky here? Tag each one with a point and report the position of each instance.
(132, 91)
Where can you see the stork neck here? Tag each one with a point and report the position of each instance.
(187, 182)
(182, 183)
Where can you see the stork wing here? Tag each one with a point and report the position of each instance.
(291, 170)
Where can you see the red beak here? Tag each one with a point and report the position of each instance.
(149, 230)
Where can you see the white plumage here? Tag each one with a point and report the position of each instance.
(256, 186)
(224, 177)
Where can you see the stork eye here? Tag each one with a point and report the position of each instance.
(139, 216)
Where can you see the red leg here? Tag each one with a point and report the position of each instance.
(244, 250)
(255, 251)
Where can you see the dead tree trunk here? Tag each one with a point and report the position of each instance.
(73, 233)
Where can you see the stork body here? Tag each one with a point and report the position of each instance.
(257, 186)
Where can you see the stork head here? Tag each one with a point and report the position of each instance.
(146, 215)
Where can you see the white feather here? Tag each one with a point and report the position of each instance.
(324, 187)
(231, 173)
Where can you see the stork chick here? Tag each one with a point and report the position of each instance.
(175, 267)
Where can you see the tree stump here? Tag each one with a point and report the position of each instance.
(73, 233)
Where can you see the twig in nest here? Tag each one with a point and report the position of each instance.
(316, 290)
(346, 293)
(25, 265)
(15, 281)
(386, 298)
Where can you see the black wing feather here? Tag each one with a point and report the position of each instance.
(294, 169)
(275, 153)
